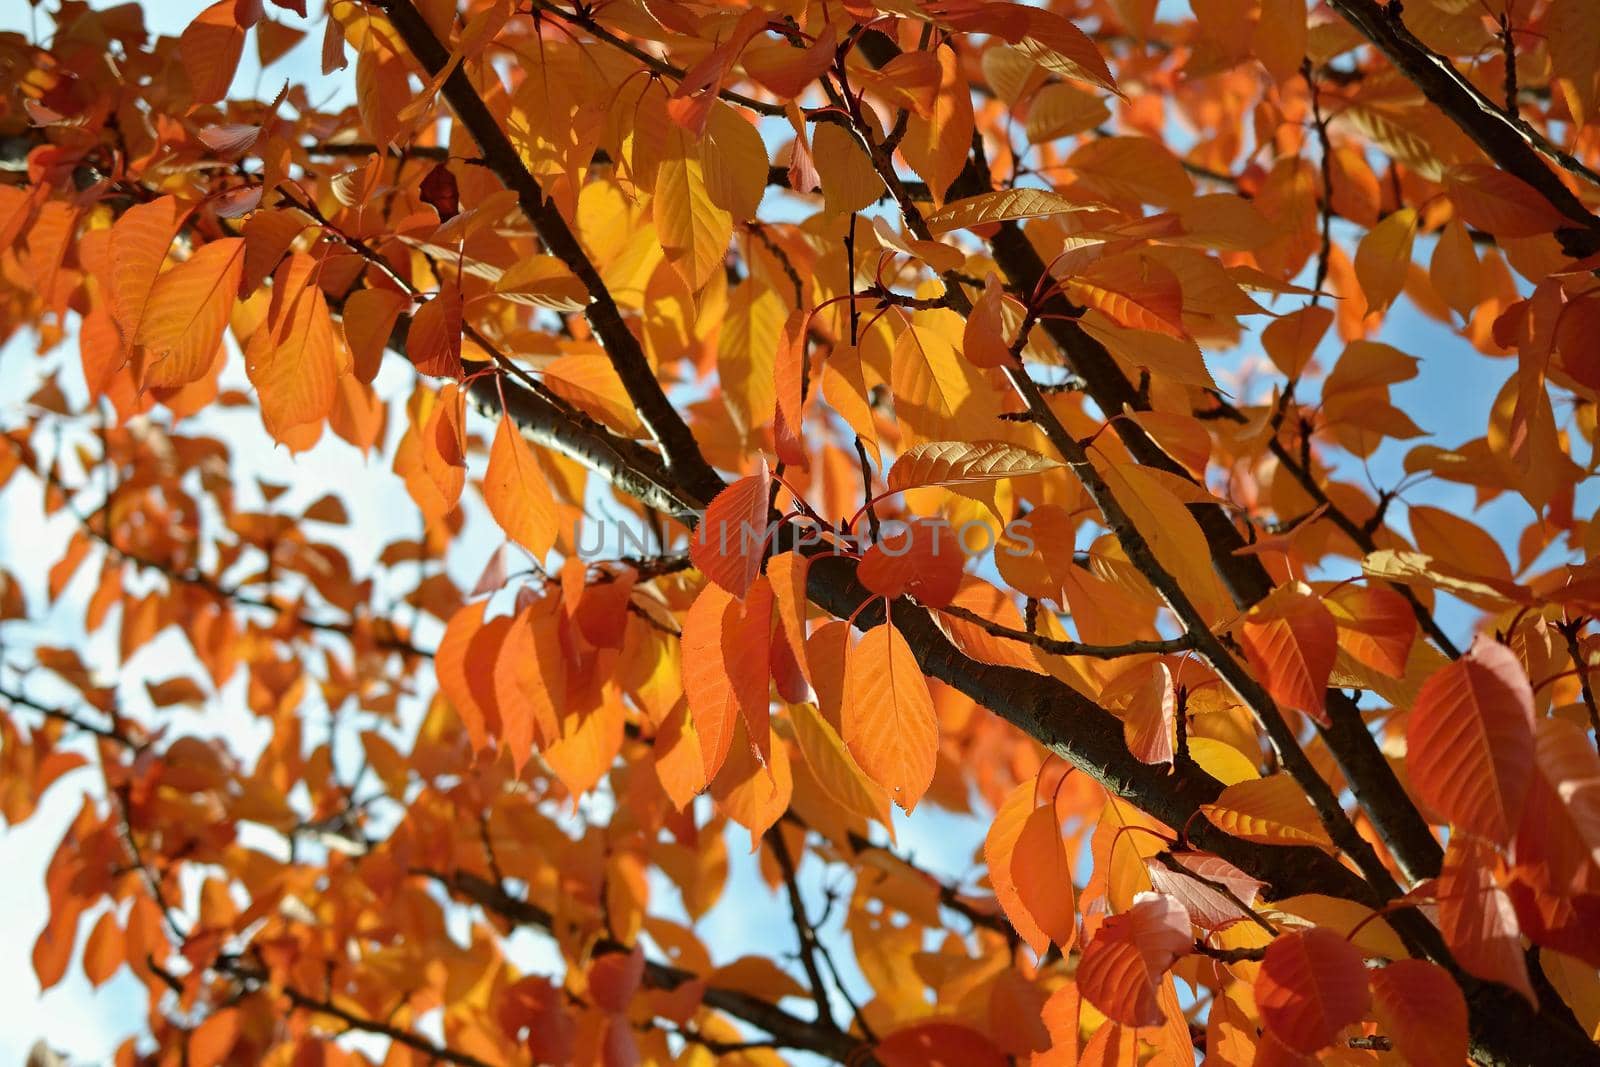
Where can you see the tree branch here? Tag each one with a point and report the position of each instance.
(665, 424)
(1513, 145)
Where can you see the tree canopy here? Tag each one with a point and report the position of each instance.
(777, 421)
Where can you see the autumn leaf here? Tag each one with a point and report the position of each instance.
(1384, 258)
(730, 542)
(1291, 640)
(518, 496)
(181, 327)
(888, 722)
(1001, 206)
(1270, 810)
(1470, 741)
(1421, 1009)
(1477, 917)
(1124, 963)
(1042, 875)
(1312, 984)
(950, 463)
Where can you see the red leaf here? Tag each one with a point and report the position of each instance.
(937, 1044)
(1477, 917)
(1469, 741)
(730, 542)
(1291, 641)
(920, 558)
(1199, 887)
(1120, 970)
(1420, 1008)
(1312, 984)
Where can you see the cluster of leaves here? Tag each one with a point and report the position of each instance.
(808, 293)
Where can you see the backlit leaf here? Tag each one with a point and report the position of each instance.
(1469, 741)
(888, 722)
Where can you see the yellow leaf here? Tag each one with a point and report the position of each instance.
(1131, 168)
(1168, 527)
(747, 351)
(1000, 206)
(733, 160)
(849, 180)
(936, 146)
(1383, 258)
(544, 282)
(964, 463)
(835, 769)
(694, 231)
(1272, 811)
(1062, 110)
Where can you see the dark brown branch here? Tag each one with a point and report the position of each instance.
(661, 419)
(1513, 145)
(1580, 663)
(810, 946)
(1060, 647)
(72, 719)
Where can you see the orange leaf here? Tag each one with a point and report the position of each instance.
(725, 668)
(1312, 984)
(212, 1040)
(1469, 741)
(730, 541)
(1149, 726)
(1420, 1008)
(1121, 968)
(369, 317)
(920, 558)
(1383, 259)
(211, 47)
(1132, 291)
(983, 340)
(530, 683)
(887, 715)
(1477, 917)
(450, 664)
(104, 953)
(291, 359)
(137, 248)
(1558, 841)
(517, 494)
(1292, 641)
(1043, 879)
(433, 342)
(1376, 626)
(188, 309)
(999, 850)
(1272, 810)
(1500, 202)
